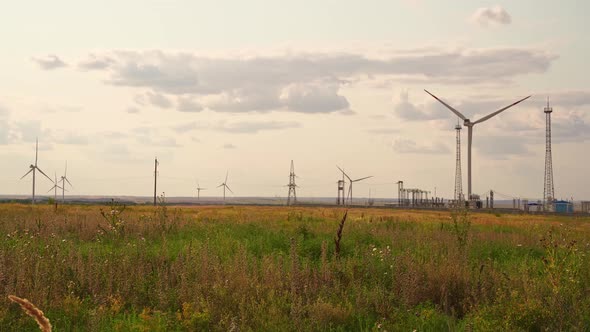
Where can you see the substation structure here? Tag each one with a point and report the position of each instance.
(414, 197)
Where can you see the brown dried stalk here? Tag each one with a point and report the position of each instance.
(33, 311)
(339, 234)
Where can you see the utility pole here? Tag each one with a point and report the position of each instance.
(548, 191)
(155, 180)
(292, 186)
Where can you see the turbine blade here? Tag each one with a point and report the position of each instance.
(51, 189)
(229, 189)
(500, 111)
(30, 170)
(349, 179)
(448, 106)
(43, 173)
(66, 170)
(366, 177)
(221, 185)
(226, 174)
(36, 150)
(68, 181)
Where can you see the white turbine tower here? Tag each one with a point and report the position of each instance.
(224, 185)
(467, 123)
(34, 168)
(351, 181)
(65, 179)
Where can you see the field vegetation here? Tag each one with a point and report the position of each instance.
(240, 268)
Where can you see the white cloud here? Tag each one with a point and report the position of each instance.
(4, 132)
(95, 62)
(383, 131)
(571, 98)
(313, 98)
(3, 111)
(72, 138)
(158, 99)
(406, 110)
(306, 82)
(132, 110)
(501, 147)
(49, 62)
(185, 127)
(487, 16)
(410, 146)
(251, 127)
(569, 126)
(240, 127)
(152, 136)
(30, 130)
(188, 104)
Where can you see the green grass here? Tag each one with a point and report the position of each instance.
(275, 269)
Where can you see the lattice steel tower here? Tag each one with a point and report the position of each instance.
(292, 186)
(458, 176)
(548, 192)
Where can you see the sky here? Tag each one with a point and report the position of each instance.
(244, 87)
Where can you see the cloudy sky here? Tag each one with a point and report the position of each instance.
(246, 86)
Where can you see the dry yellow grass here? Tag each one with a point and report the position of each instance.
(31, 310)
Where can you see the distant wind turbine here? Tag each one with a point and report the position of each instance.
(199, 190)
(34, 168)
(351, 182)
(54, 188)
(467, 123)
(224, 185)
(63, 180)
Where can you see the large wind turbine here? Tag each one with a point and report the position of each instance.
(224, 185)
(34, 168)
(54, 188)
(351, 182)
(467, 123)
(64, 179)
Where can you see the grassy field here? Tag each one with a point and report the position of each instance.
(139, 268)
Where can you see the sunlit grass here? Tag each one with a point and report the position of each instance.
(275, 268)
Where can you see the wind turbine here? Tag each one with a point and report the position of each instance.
(54, 188)
(224, 185)
(64, 179)
(351, 182)
(467, 123)
(34, 168)
(199, 190)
